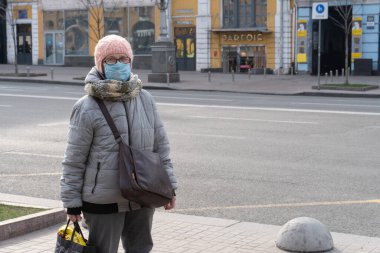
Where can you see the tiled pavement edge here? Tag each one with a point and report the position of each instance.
(191, 80)
(26, 224)
(178, 233)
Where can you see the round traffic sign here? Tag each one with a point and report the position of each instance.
(320, 8)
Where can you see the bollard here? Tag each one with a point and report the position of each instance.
(291, 71)
(278, 72)
(233, 75)
(27, 71)
(326, 77)
(349, 71)
(304, 234)
(249, 74)
(331, 76)
(209, 76)
(265, 72)
(343, 73)
(52, 73)
(167, 79)
(337, 74)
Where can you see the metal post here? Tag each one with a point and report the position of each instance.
(52, 73)
(249, 74)
(291, 71)
(27, 71)
(233, 75)
(343, 73)
(326, 77)
(209, 76)
(331, 76)
(319, 53)
(167, 79)
(265, 72)
(337, 74)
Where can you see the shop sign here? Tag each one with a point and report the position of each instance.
(302, 41)
(370, 22)
(356, 51)
(242, 37)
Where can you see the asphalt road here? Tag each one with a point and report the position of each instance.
(265, 159)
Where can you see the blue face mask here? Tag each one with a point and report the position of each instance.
(118, 71)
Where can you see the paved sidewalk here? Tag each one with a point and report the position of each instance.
(178, 233)
(260, 84)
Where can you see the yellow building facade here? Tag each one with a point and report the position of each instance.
(237, 36)
(216, 35)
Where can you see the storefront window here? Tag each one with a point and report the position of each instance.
(76, 34)
(244, 13)
(142, 23)
(53, 20)
(116, 21)
(252, 57)
(134, 23)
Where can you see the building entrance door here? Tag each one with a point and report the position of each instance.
(54, 48)
(229, 59)
(332, 44)
(185, 48)
(24, 44)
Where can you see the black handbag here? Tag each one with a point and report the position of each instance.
(143, 179)
(69, 246)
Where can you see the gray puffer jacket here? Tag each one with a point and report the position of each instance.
(90, 165)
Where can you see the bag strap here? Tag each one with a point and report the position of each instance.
(109, 119)
(76, 229)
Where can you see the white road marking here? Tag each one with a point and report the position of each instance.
(323, 203)
(346, 105)
(54, 124)
(37, 96)
(31, 174)
(258, 120)
(270, 109)
(5, 105)
(216, 106)
(33, 154)
(190, 98)
(211, 135)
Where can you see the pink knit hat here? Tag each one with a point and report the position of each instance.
(111, 44)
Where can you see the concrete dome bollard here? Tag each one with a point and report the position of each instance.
(304, 234)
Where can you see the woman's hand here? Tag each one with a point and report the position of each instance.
(74, 218)
(171, 204)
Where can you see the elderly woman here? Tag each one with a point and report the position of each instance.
(90, 180)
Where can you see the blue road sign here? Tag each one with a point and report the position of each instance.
(320, 8)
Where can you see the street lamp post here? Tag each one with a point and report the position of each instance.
(163, 6)
(164, 69)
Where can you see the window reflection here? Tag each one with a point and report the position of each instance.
(76, 36)
(244, 13)
(53, 20)
(141, 30)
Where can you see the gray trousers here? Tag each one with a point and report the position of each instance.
(133, 228)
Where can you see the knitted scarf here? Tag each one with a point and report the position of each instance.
(113, 90)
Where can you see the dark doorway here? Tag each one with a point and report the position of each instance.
(185, 48)
(24, 44)
(332, 44)
(3, 34)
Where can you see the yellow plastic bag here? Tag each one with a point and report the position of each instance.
(78, 238)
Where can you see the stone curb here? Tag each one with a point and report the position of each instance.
(29, 223)
(305, 93)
